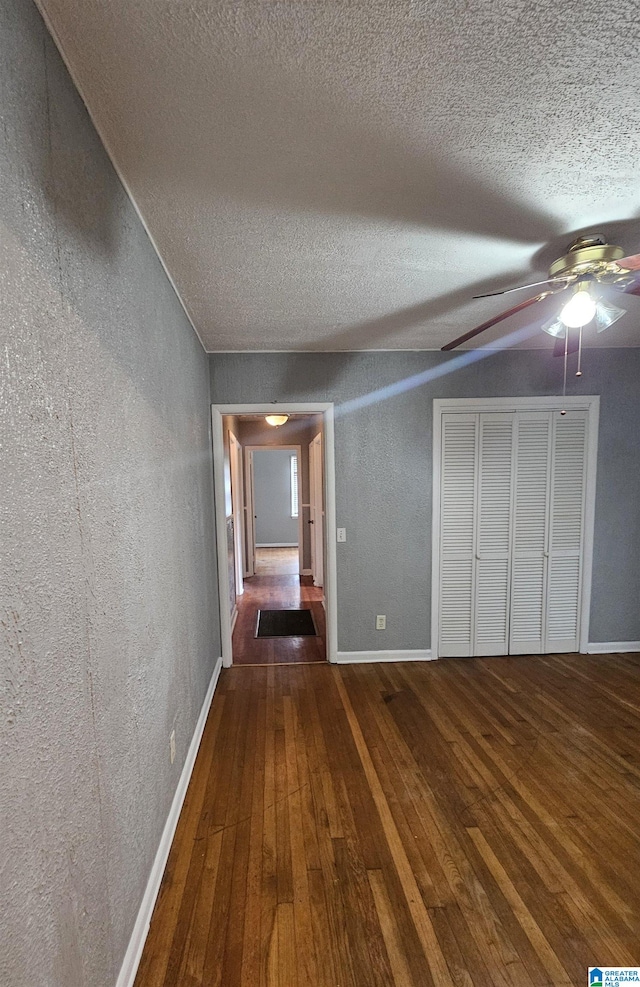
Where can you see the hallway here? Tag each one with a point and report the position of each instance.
(276, 586)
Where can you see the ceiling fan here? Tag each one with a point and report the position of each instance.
(590, 263)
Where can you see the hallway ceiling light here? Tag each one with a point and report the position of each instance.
(276, 420)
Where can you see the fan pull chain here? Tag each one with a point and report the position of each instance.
(579, 370)
(564, 383)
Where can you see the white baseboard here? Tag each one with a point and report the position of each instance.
(352, 657)
(611, 647)
(234, 617)
(276, 544)
(133, 954)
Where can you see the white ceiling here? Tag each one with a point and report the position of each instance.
(345, 175)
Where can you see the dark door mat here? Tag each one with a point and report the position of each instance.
(285, 623)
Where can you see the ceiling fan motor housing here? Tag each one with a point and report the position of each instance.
(587, 255)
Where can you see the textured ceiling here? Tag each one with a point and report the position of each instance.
(345, 175)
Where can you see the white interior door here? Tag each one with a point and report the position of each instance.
(492, 577)
(512, 510)
(530, 532)
(237, 506)
(457, 534)
(316, 510)
(475, 534)
(566, 531)
(549, 532)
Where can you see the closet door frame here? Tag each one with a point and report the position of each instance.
(590, 404)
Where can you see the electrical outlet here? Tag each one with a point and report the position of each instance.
(172, 745)
(381, 622)
(342, 534)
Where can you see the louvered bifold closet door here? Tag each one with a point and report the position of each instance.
(566, 531)
(457, 534)
(533, 431)
(493, 536)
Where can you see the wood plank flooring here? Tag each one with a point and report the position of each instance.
(460, 823)
(276, 586)
(276, 562)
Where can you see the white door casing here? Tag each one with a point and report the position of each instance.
(326, 409)
(249, 517)
(237, 505)
(316, 510)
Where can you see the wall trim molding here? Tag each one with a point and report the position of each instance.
(355, 657)
(234, 618)
(611, 647)
(133, 954)
(276, 544)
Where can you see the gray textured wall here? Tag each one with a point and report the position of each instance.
(383, 470)
(108, 601)
(272, 506)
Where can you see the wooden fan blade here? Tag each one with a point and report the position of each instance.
(633, 288)
(534, 284)
(495, 320)
(630, 286)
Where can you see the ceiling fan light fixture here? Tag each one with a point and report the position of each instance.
(606, 314)
(581, 307)
(588, 260)
(276, 420)
(554, 327)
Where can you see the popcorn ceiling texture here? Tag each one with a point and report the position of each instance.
(108, 605)
(342, 174)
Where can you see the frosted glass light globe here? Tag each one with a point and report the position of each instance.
(579, 310)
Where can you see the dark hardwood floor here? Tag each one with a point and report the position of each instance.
(276, 586)
(460, 823)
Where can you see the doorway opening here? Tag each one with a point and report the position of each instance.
(275, 476)
(274, 506)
